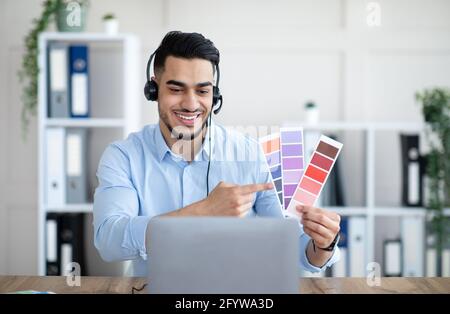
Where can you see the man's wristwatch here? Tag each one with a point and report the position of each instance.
(331, 246)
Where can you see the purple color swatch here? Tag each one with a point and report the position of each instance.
(292, 163)
(292, 176)
(291, 137)
(292, 150)
(273, 158)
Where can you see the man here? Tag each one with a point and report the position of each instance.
(161, 170)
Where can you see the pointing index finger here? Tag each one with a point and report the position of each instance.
(253, 188)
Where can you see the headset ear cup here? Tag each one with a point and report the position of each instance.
(217, 98)
(151, 90)
(216, 95)
(146, 90)
(217, 110)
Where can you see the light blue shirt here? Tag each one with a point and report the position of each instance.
(140, 178)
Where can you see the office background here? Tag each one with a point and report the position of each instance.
(275, 56)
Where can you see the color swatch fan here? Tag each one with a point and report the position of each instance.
(292, 161)
(271, 147)
(316, 174)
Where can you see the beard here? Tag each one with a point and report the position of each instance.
(181, 132)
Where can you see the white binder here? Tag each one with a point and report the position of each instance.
(66, 258)
(392, 252)
(413, 239)
(357, 246)
(446, 262)
(76, 184)
(58, 87)
(52, 240)
(55, 188)
(431, 270)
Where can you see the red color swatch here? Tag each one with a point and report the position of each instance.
(321, 161)
(315, 173)
(304, 198)
(310, 185)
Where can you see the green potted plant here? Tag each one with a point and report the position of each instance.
(28, 74)
(110, 24)
(435, 105)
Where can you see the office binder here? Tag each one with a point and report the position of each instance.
(58, 76)
(357, 246)
(431, 262)
(413, 239)
(412, 171)
(76, 165)
(340, 268)
(52, 245)
(72, 242)
(55, 187)
(392, 258)
(66, 258)
(79, 81)
(446, 262)
(430, 257)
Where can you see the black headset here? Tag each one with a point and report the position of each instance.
(151, 93)
(151, 88)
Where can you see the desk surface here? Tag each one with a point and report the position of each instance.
(307, 285)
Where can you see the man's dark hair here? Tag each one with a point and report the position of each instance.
(185, 45)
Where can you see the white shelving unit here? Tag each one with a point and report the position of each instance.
(125, 117)
(370, 210)
(87, 123)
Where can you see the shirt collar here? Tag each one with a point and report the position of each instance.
(162, 149)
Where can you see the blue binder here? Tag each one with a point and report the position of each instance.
(79, 81)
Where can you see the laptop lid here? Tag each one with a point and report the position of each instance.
(223, 255)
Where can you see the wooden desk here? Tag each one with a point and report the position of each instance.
(307, 285)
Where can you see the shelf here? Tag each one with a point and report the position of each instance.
(85, 37)
(359, 126)
(400, 211)
(347, 211)
(343, 211)
(85, 122)
(117, 56)
(71, 208)
(383, 211)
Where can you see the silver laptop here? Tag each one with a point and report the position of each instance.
(223, 255)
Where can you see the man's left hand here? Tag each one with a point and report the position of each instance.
(321, 225)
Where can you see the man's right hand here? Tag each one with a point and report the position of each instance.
(232, 199)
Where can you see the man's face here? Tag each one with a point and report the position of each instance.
(185, 90)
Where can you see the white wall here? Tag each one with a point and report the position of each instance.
(275, 54)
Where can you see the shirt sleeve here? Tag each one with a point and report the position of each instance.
(119, 230)
(268, 204)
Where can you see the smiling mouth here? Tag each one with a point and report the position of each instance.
(187, 118)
